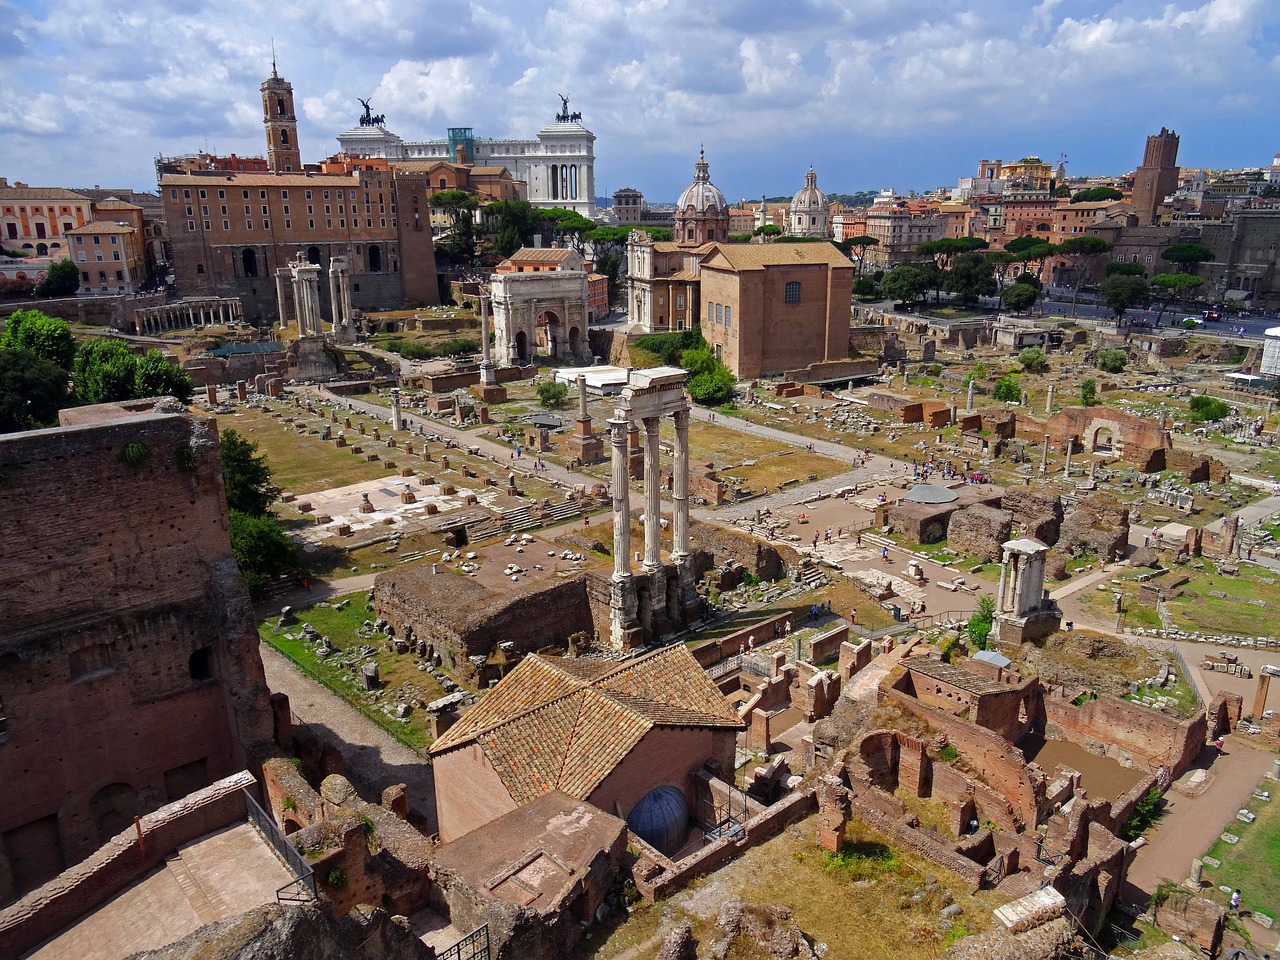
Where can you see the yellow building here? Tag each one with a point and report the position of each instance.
(109, 257)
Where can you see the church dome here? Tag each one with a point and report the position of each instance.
(661, 819)
(810, 197)
(702, 194)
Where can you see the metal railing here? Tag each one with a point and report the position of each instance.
(474, 946)
(303, 888)
(737, 662)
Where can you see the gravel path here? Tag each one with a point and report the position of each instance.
(374, 759)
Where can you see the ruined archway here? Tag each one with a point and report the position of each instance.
(543, 306)
(1104, 440)
(575, 341)
(550, 332)
(522, 348)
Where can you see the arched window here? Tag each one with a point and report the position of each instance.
(250, 261)
(42, 250)
(284, 138)
(792, 292)
(443, 184)
(375, 258)
(280, 106)
(313, 255)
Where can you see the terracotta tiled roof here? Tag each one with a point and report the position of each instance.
(566, 724)
(15, 194)
(757, 256)
(540, 255)
(115, 203)
(212, 178)
(102, 226)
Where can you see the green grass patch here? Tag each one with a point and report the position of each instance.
(1232, 612)
(394, 669)
(862, 860)
(1250, 865)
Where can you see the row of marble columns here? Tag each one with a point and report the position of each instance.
(212, 311)
(303, 279)
(622, 576)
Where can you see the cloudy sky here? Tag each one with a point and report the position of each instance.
(872, 93)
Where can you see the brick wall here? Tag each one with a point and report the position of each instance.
(469, 792)
(1152, 739)
(130, 669)
(47, 910)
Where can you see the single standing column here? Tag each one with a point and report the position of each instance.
(299, 306)
(680, 486)
(652, 497)
(1004, 579)
(621, 501)
(1044, 458)
(334, 307)
(1048, 403)
(346, 294)
(1066, 471)
(487, 376)
(582, 396)
(968, 407)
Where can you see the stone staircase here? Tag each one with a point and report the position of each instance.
(811, 575)
(519, 518)
(560, 512)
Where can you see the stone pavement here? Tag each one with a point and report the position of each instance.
(374, 759)
(221, 875)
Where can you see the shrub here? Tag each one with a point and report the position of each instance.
(949, 754)
(1207, 408)
(1089, 392)
(552, 394)
(1148, 811)
(1007, 389)
(1112, 361)
(1033, 360)
(336, 878)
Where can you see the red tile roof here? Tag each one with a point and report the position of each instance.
(566, 724)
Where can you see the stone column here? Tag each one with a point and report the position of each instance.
(1048, 403)
(299, 307)
(1197, 872)
(688, 588)
(335, 309)
(487, 376)
(1066, 470)
(396, 422)
(1004, 579)
(652, 497)
(345, 279)
(621, 500)
(582, 394)
(1044, 458)
(968, 406)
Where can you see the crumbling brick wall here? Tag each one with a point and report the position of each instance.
(1035, 515)
(979, 530)
(1147, 737)
(1099, 524)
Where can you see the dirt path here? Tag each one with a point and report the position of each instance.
(374, 760)
(1190, 826)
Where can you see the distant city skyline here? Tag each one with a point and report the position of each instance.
(907, 94)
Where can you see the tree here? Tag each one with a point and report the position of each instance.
(514, 222)
(1125, 268)
(1186, 255)
(459, 244)
(944, 250)
(659, 234)
(245, 475)
(1120, 293)
(710, 382)
(104, 371)
(904, 283)
(45, 336)
(1080, 254)
(608, 247)
(969, 278)
(552, 394)
(1112, 361)
(1088, 392)
(768, 230)
(1167, 287)
(1097, 194)
(1007, 390)
(1033, 360)
(979, 627)
(866, 288)
(262, 550)
(861, 244)
(61, 280)
(568, 227)
(32, 390)
(155, 376)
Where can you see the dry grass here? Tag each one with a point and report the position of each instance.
(859, 906)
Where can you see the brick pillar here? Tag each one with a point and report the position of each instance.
(1260, 698)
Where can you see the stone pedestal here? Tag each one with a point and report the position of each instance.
(490, 392)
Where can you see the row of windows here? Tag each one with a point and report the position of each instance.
(288, 224)
(115, 255)
(97, 240)
(262, 194)
(102, 276)
(719, 314)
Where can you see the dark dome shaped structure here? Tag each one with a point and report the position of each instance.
(931, 493)
(661, 819)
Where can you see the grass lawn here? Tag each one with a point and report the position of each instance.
(1250, 865)
(857, 902)
(1137, 613)
(394, 670)
(1196, 609)
(300, 463)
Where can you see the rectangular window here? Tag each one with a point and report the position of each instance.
(342, 224)
(328, 209)
(248, 224)
(328, 224)
(326, 194)
(246, 194)
(191, 225)
(115, 254)
(265, 211)
(680, 302)
(266, 224)
(186, 194)
(98, 256)
(262, 194)
(226, 224)
(173, 195)
(310, 209)
(190, 210)
(369, 222)
(223, 211)
(792, 293)
(286, 209)
(288, 225)
(284, 194)
(79, 241)
(222, 194)
(202, 195)
(115, 241)
(204, 210)
(728, 317)
(97, 241)
(384, 221)
(120, 276)
(85, 273)
(311, 224)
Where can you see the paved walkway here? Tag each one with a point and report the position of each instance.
(221, 875)
(374, 759)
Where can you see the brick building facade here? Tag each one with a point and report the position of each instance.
(129, 671)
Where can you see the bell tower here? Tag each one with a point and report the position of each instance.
(283, 155)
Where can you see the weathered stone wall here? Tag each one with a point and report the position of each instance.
(120, 862)
(1099, 525)
(1141, 443)
(1035, 515)
(1126, 732)
(129, 664)
(768, 561)
(462, 619)
(979, 530)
